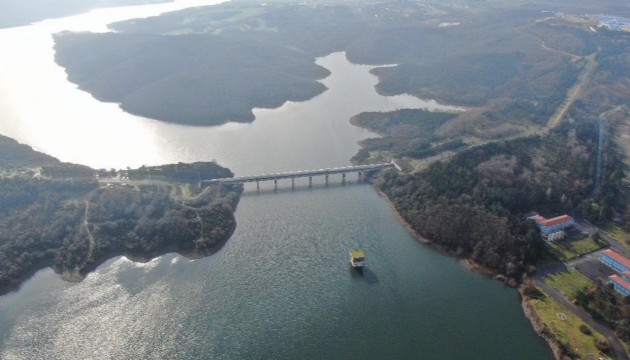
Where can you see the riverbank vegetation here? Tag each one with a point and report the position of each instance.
(53, 214)
(473, 203)
(196, 79)
(570, 336)
(404, 134)
(18, 157)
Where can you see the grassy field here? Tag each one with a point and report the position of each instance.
(617, 233)
(567, 250)
(569, 282)
(566, 328)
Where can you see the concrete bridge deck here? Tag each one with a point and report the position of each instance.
(300, 174)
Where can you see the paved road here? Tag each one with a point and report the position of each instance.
(591, 267)
(614, 342)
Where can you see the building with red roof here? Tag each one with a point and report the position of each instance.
(616, 261)
(553, 225)
(620, 284)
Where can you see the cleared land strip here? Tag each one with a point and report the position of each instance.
(572, 95)
(546, 47)
(574, 92)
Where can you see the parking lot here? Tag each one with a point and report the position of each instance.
(592, 267)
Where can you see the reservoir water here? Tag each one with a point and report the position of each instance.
(281, 287)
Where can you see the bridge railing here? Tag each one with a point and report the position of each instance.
(300, 173)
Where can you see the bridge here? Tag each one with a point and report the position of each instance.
(301, 174)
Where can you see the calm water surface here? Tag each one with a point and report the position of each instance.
(281, 287)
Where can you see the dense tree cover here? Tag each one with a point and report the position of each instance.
(193, 172)
(194, 79)
(16, 155)
(570, 39)
(605, 304)
(472, 80)
(611, 83)
(150, 220)
(37, 219)
(404, 133)
(408, 123)
(611, 198)
(67, 170)
(473, 204)
(64, 219)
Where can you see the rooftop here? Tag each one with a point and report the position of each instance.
(616, 278)
(357, 254)
(617, 257)
(554, 221)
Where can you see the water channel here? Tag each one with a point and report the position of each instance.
(281, 287)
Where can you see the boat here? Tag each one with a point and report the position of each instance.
(357, 259)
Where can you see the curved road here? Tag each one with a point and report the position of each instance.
(575, 91)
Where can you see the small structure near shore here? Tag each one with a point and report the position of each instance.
(357, 259)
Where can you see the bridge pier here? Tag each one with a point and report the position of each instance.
(343, 179)
(362, 170)
(293, 183)
(275, 184)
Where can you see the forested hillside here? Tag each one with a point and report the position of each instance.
(473, 203)
(193, 79)
(213, 64)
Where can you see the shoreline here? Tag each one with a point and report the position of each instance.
(77, 275)
(538, 326)
(402, 220)
(470, 263)
(73, 263)
(353, 122)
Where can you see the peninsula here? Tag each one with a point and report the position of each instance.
(215, 64)
(73, 218)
